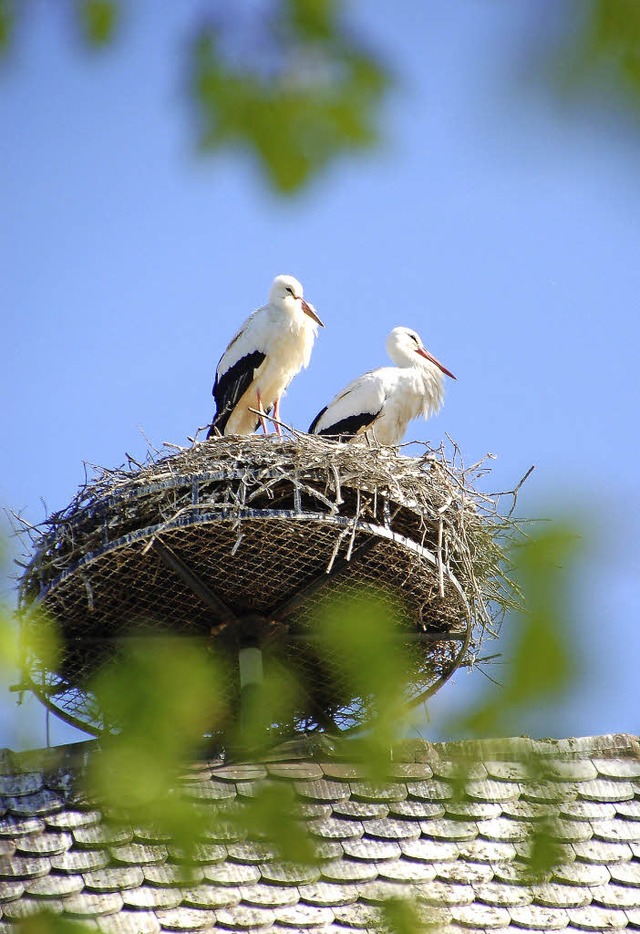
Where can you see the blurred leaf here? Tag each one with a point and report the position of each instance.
(313, 19)
(401, 916)
(360, 644)
(9, 643)
(98, 19)
(544, 852)
(37, 640)
(273, 816)
(311, 94)
(267, 705)
(543, 663)
(613, 37)
(602, 48)
(544, 660)
(7, 19)
(46, 922)
(160, 699)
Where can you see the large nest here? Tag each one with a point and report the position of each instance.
(236, 533)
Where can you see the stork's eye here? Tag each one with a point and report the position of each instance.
(414, 338)
(289, 290)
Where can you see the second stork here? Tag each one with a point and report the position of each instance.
(385, 400)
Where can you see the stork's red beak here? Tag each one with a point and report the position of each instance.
(310, 310)
(425, 353)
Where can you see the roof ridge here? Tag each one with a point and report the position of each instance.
(322, 748)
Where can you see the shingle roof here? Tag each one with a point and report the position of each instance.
(416, 836)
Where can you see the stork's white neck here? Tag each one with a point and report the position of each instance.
(402, 356)
(424, 383)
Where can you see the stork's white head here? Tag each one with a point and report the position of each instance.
(405, 348)
(286, 292)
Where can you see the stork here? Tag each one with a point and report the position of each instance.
(385, 400)
(270, 348)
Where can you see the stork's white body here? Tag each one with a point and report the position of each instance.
(286, 339)
(271, 347)
(396, 394)
(384, 401)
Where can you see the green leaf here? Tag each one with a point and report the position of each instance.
(159, 698)
(544, 852)
(401, 916)
(313, 19)
(37, 642)
(273, 816)
(602, 49)
(543, 662)
(264, 709)
(7, 19)
(359, 642)
(46, 922)
(317, 98)
(9, 643)
(98, 19)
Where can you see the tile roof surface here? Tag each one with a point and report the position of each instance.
(452, 843)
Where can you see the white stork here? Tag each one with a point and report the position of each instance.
(385, 400)
(272, 345)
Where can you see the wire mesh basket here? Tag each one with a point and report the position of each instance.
(238, 538)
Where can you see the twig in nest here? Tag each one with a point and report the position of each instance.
(275, 421)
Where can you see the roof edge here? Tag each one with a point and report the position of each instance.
(322, 748)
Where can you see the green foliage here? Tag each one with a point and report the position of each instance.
(268, 705)
(305, 91)
(544, 852)
(273, 816)
(313, 19)
(9, 644)
(46, 922)
(312, 95)
(542, 664)
(7, 15)
(599, 52)
(400, 916)
(160, 697)
(612, 41)
(358, 637)
(37, 638)
(542, 668)
(98, 20)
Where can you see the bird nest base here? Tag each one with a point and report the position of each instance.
(239, 540)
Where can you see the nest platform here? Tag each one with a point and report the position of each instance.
(239, 539)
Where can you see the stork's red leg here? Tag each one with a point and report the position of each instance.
(276, 414)
(261, 409)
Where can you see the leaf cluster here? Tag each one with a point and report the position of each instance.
(302, 91)
(543, 663)
(605, 48)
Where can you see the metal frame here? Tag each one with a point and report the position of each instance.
(253, 622)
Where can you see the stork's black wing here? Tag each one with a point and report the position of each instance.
(229, 388)
(354, 409)
(346, 427)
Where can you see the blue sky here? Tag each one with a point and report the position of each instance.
(499, 221)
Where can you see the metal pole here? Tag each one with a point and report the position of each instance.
(250, 637)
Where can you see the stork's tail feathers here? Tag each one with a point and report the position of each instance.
(218, 425)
